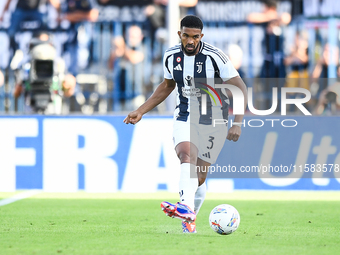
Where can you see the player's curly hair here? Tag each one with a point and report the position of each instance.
(192, 21)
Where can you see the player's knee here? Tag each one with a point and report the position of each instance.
(185, 157)
(201, 180)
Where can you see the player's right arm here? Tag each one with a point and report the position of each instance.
(4, 10)
(161, 93)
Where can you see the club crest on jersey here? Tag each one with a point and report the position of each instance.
(178, 59)
(199, 66)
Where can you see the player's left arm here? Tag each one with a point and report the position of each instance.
(235, 131)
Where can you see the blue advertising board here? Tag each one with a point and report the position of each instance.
(102, 154)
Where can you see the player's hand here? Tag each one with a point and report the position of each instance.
(93, 15)
(234, 133)
(133, 117)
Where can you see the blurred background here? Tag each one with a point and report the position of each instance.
(70, 70)
(105, 56)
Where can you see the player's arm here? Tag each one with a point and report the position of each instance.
(5, 9)
(262, 17)
(161, 93)
(18, 89)
(258, 18)
(55, 4)
(77, 16)
(188, 3)
(235, 131)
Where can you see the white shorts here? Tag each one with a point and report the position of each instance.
(209, 140)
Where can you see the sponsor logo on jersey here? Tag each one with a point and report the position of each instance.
(178, 68)
(178, 59)
(188, 80)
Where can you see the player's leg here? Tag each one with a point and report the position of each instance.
(188, 182)
(202, 172)
(210, 145)
(187, 154)
(17, 17)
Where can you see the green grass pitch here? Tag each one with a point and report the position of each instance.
(81, 223)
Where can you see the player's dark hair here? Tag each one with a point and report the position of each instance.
(192, 21)
(271, 3)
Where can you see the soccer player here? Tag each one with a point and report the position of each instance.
(191, 65)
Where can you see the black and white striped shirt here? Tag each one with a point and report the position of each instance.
(199, 73)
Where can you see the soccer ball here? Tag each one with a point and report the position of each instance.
(224, 219)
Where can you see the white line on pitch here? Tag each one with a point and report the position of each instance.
(19, 196)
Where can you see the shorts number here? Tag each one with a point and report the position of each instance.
(211, 138)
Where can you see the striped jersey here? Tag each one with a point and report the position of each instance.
(196, 77)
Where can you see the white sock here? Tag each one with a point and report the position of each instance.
(187, 185)
(200, 196)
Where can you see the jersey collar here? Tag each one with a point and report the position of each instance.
(201, 47)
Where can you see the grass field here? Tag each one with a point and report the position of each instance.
(81, 223)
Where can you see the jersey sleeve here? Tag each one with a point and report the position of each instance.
(227, 70)
(166, 68)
